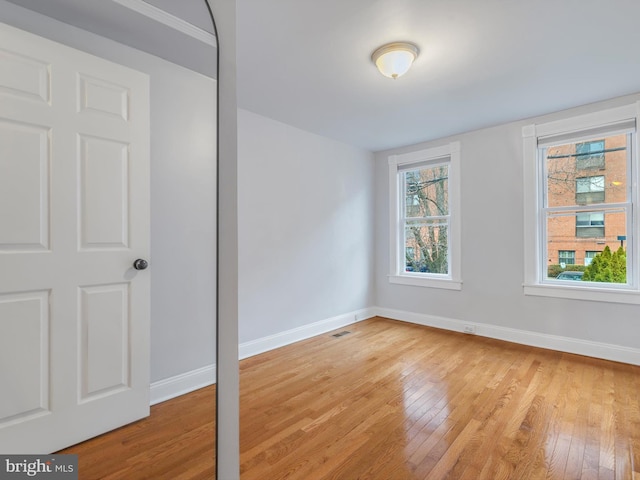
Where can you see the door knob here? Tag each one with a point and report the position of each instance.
(140, 264)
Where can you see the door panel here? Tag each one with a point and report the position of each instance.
(24, 322)
(24, 186)
(74, 215)
(104, 188)
(25, 77)
(104, 346)
(101, 96)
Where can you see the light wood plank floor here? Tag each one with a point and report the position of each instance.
(177, 441)
(397, 401)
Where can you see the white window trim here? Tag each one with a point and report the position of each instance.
(397, 275)
(533, 281)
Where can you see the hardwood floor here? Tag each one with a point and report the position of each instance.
(177, 441)
(398, 401)
(393, 400)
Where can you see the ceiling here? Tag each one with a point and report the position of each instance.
(307, 63)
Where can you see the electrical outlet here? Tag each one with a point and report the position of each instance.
(470, 329)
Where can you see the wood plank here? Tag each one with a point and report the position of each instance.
(176, 441)
(397, 401)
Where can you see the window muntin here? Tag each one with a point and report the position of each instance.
(424, 201)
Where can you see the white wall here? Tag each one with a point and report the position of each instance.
(492, 251)
(183, 122)
(306, 210)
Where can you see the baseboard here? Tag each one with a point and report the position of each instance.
(202, 377)
(172, 387)
(605, 351)
(261, 345)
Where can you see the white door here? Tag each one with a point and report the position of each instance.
(74, 216)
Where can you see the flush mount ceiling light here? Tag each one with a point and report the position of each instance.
(394, 59)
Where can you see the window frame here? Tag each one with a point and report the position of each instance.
(447, 154)
(575, 129)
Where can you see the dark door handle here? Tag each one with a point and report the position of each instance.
(140, 264)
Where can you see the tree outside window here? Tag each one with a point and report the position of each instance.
(426, 219)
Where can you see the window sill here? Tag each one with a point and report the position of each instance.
(592, 294)
(429, 282)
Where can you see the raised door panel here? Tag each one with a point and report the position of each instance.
(104, 345)
(24, 353)
(24, 77)
(104, 193)
(24, 186)
(101, 97)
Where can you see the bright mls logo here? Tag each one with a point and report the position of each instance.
(51, 467)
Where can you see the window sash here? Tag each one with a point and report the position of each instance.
(406, 221)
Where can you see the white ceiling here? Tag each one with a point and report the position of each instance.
(483, 62)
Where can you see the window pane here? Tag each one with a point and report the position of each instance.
(574, 177)
(590, 155)
(426, 191)
(428, 243)
(583, 235)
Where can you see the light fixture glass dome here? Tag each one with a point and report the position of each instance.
(394, 59)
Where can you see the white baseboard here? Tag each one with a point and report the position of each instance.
(202, 377)
(605, 351)
(261, 345)
(172, 387)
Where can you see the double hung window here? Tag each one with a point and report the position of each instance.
(581, 194)
(424, 206)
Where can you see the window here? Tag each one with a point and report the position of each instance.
(590, 190)
(590, 155)
(566, 257)
(569, 209)
(589, 225)
(589, 255)
(424, 220)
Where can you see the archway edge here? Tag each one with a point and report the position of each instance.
(227, 401)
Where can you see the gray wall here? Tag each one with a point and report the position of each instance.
(305, 205)
(183, 123)
(492, 248)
